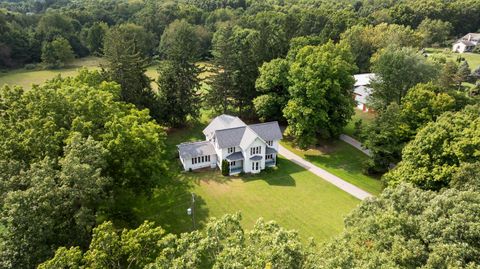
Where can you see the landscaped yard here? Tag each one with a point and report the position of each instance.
(342, 160)
(290, 195)
(366, 118)
(473, 59)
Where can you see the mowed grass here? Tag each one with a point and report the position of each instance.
(473, 59)
(366, 118)
(342, 160)
(26, 78)
(290, 195)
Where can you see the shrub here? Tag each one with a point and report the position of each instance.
(225, 168)
(30, 66)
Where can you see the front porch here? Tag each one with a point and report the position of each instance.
(235, 163)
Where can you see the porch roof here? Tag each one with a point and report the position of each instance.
(256, 158)
(270, 150)
(236, 156)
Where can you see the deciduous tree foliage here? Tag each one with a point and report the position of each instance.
(397, 125)
(272, 84)
(224, 243)
(321, 92)
(57, 53)
(66, 148)
(434, 32)
(397, 70)
(409, 228)
(431, 160)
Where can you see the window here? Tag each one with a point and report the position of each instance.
(253, 166)
(270, 143)
(256, 166)
(208, 158)
(194, 160)
(256, 150)
(232, 163)
(203, 159)
(269, 156)
(231, 150)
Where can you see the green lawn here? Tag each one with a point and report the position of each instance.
(473, 59)
(342, 160)
(26, 78)
(290, 195)
(366, 118)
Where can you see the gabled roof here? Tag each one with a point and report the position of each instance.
(268, 131)
(248, 137)
(363, 79)
(472, 36)
(195, 149)
(223, 122)
(466, 43)
(236, 156)
(232, 137)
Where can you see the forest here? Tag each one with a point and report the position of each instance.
(73, 148)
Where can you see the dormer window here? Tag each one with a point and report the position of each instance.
(231, 150)
(270, 143)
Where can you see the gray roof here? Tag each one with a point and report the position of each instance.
(466, 43)
(363, 79)
(223, 122)
(236, 156)
(270, 150)
(256, 158)
(195, 149)
(268, 131)
(230, 137)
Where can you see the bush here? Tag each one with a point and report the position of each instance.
(357, 129)
(225, 168)
(30, 66)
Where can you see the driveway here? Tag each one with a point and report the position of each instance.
(340, 183)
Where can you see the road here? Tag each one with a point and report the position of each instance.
(340, 183)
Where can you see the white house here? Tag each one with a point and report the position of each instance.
(362, 90)
(466, 43)
(247, 148)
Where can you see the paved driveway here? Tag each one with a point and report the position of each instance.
(340, 183)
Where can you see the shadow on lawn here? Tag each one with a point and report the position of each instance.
(277, 176)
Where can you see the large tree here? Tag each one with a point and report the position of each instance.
(397, 70)
(125, 48)
(397, 125)
(321, 92)
(66, 148)
(272, 84)
(431, 160)
(57, 53)
(178, 80)
(409, 228)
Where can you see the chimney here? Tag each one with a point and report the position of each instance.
(469, 37)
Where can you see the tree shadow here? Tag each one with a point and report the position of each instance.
(277, 176)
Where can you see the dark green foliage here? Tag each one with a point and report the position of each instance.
(67, 148)
(397, 125)
(409, 228)
(225, 168)
(57, 53)
(397, 70)
(125, 50)
(431, 160)
(94, 37)
(321, 92)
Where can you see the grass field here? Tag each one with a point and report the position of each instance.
(290, 195)
(342, 160)
(366, 118)
(26, 78)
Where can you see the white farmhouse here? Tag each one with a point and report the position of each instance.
(247, 148)
(466, 43)
(362, 90)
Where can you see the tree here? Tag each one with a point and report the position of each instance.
(273, 84)
(57, 53)
(223, 243)
(408, 228)
(434, 32)
(178, 81)
(53, 25)
(448, 75)
(321, 91)
(397, 125)
(94, 37)
(68, 147)
(397, 70)
(125, 47)
(463, 73)
(432, 159)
